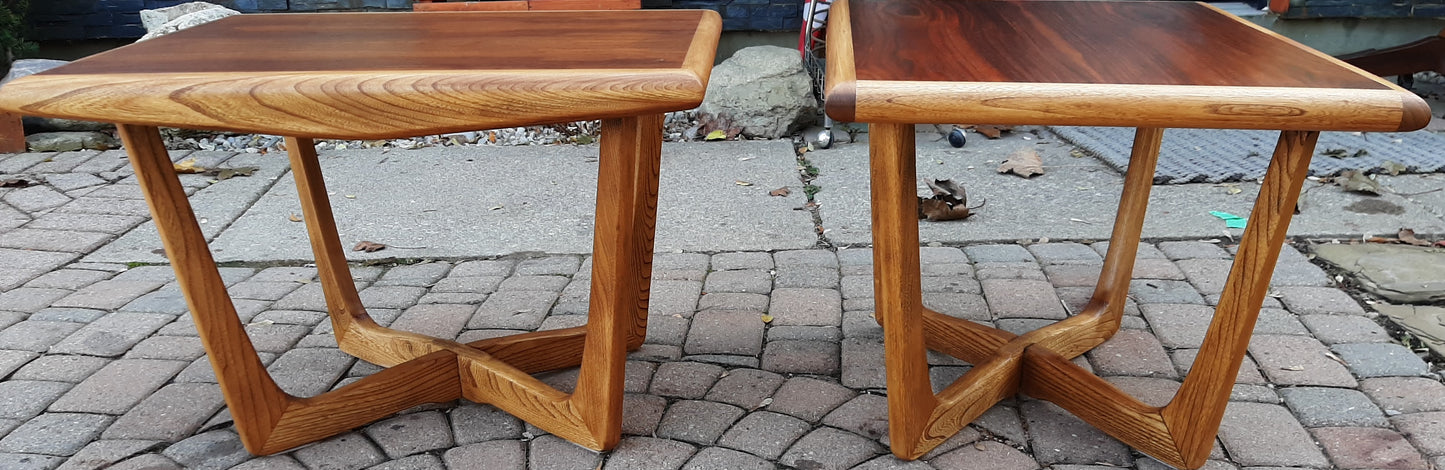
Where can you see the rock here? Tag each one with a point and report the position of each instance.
(761, 91)
(35, 124)
(1398, 273)
(27, 67)
(1425, 323)
(163, 21)
(68, 141)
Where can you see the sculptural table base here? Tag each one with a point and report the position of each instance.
(1038, 363)
(422, 369)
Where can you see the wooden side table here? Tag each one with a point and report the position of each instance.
(893, 63)
(382, 75)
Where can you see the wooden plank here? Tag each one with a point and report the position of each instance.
(1082, 42)
(1197, 409)
(898, 293)
(516, 5)
(375, 76)
(12, 134)
(543, 5)
(255, 401)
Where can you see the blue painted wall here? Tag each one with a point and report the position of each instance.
(100, 19)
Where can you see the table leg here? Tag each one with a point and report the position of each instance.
(622, 244)
(896, 283)
(267, 419)
(1196, 411)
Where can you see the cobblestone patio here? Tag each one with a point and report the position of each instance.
(100, 366)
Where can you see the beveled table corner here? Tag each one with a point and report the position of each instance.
(385, 75)
(1149, 65)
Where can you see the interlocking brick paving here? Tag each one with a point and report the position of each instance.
(100, 364)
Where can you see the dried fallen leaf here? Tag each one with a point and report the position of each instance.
(187, 166)
(1024, 162)
(1293, 368)
(294, 217)
(949, 202)
(780, 192)
(1359, 182)
(1408, 236)
(16, 183)
(767, 318)
(979, 446)
(742, 183)
(992, 132)
(1393, 168)
(716, 135)
(369, 247)
(223, 174)
(1344, 153)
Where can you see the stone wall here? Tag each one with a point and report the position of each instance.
(98, 19)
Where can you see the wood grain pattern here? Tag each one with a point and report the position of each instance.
(255, 401)
(1038, 363)
(839, 81)
(1134, 64)
(1197, 409)
(399, 41)
(899, 293)
(12, 134)
(422, 369)
(533, 5)
(1136, 106)
(1142, 43)
(371, 76)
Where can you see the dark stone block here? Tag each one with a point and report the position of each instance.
(734, 24)
(62, 7)
(98, 19)
(767, 24)
(122, 5)
(124, 31)
(244, 6)
(68, 31)
(154, 4)
(274, 5)
(737, 11)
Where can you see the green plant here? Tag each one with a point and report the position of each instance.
(13, 28)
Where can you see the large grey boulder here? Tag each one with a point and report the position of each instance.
(28, 67)
(70, 141)
(1399, 273)
(163, 21)
(761, 91)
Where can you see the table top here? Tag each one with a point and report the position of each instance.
(385, 75)
(1148, 64)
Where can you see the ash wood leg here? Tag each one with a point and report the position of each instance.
(1179, 434)
(899, 294)
(267, 419)
(621, 262)
(1197, 409)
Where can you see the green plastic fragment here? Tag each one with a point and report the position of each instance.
(1230, 220)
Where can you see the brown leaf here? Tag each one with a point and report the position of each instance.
(188, 166)
(294, 217)
(948, 191)
(223, 174)
(1025, 163)
(1408, 236)
(16, 183)
(992, 132)
(780, 192)
(938, 211)
(369, 247)
(1357, 181)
